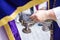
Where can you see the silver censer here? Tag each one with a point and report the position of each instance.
(26, 22)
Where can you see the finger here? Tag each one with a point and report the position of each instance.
(33, 14)
(32, 17)
(35, 20)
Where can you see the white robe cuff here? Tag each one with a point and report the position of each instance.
(57, 13)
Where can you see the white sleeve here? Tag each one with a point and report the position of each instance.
(43, 5)
(57, 13)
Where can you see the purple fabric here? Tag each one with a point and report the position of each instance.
(14, 30)
(37, 7)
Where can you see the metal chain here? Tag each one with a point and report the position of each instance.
(54, 3)
(51, 38)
